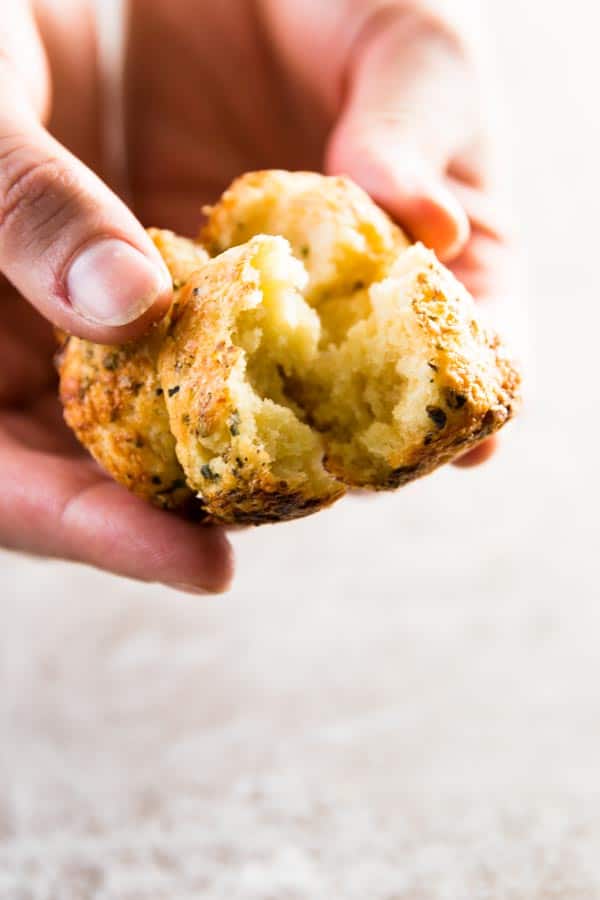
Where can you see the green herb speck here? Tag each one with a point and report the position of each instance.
(437, 416)
(111, 361)
(454, 399)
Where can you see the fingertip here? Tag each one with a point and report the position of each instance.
(404, 184)
(478, 455)
(121, 334)
(434, 217)
(185, 587)
(203, 561)
(220, 561)
(116, 290)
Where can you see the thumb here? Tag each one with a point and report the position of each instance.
(67, 243)
(407, 111)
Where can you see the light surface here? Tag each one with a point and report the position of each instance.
(400, 700)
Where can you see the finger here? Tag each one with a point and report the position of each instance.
(479, 454)
(484, 266)
(408, 111)
(69, 510)
(483, 208)
(67, 243)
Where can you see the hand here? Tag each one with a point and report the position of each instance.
(54, 500)
(211, 89)
(384, 92)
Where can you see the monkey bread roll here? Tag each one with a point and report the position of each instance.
(309, 349)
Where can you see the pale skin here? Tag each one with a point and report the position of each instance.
(385, 93)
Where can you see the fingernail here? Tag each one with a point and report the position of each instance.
(112, 283)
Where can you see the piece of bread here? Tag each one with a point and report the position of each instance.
(113, 399)
(315, 351)
(341, 236)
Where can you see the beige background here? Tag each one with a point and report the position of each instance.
(400, 699)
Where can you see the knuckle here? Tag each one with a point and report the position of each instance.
(36, 197)
(433, 22)
(418, 22)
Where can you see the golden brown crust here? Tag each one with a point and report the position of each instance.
(251, 504)
(261, 435)
(114, 402)
(332, 225)
(196, 364)
(473, 386)
(477, 385)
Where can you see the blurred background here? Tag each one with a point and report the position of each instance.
(399, 699)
